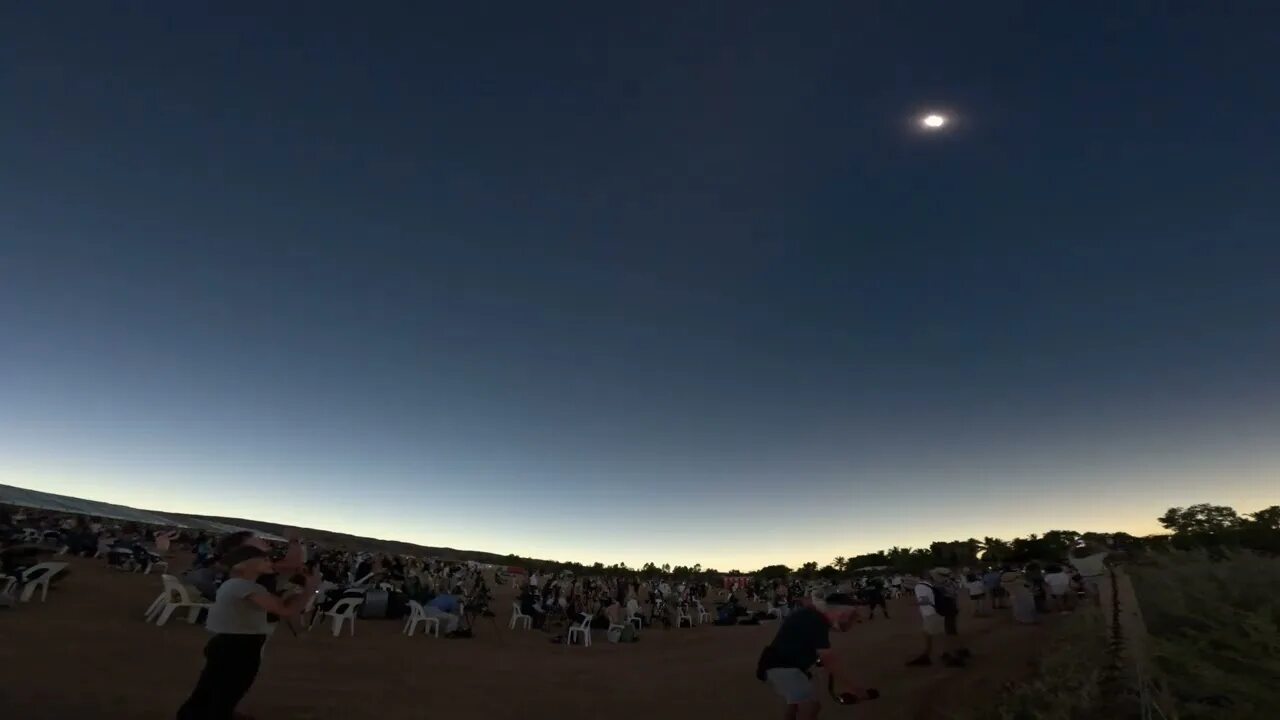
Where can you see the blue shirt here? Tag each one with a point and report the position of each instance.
(991, 580)
(444, 603)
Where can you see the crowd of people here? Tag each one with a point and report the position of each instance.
(254, 586)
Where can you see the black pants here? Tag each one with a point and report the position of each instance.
(230, 667)
(876, 601)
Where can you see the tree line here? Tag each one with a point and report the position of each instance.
(1214, 527)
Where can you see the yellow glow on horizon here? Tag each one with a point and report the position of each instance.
(1129, 503)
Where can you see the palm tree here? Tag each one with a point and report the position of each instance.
(839, 563)
(995, 549)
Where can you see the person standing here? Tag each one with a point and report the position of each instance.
(1035, 582)
(238, 621)
(874, 595)
(164, 540)
(977, 594)
(291, 564)
(991, 581)
(1090, 563)
(938, 611)
(1058, 582)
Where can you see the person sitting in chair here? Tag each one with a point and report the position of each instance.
(444, 607)
(529, 606)
(617, 617)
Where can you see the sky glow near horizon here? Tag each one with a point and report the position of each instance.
(667, 285)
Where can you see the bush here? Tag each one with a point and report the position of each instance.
(1214, 628)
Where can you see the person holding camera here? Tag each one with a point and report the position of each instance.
(238, 620)
(803, 641)
(292, 563)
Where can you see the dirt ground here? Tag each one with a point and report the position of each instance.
(87, 653)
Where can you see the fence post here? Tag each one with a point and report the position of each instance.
(1121, 602)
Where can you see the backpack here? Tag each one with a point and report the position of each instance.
(943, 601)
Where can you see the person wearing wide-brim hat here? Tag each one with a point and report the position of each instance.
(938, 611)
(1021, 597)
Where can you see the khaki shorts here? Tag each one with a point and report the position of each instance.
(792, 684)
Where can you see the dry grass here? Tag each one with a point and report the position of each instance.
(1069, 680)
(1214, 630)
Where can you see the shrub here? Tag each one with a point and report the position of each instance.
(1214, 628)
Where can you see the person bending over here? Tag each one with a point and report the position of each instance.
(802, 641)
(238, 620)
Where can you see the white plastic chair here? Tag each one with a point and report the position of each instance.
(317, 598)
(681, 616)
(615, 632)
(157, 565)
(703, 615)
(633, 614)
(45, 572)
(175, 596)
(8, 582)
(345, 609)
(519, 617)
(775, 612)
(584, 629)
(418, 615)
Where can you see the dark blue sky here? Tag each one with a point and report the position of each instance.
(662, 283)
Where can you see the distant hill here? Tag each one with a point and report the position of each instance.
(329, 538)
(19, 497)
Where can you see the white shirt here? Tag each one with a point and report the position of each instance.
(924, 596)
(1058, 582)
(976, 587)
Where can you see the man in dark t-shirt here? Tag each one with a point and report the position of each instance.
(803, 639)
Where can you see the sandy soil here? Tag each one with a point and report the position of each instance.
(87, 653)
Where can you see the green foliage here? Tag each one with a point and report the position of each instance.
(996, 550)
(774, 571)
(1200, 519)
(1215, 527)
(1214, 625)
(1267, 518)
